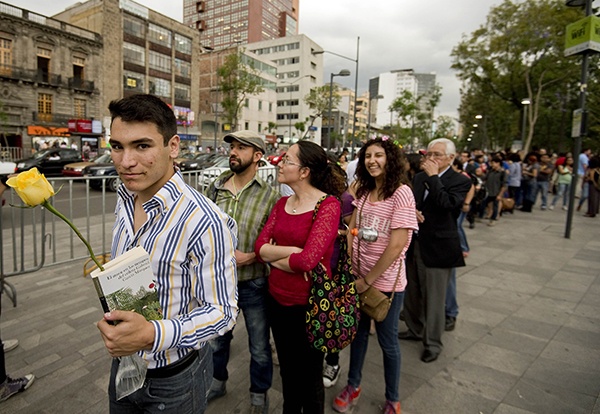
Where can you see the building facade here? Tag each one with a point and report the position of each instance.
(145, 52)
(298, 71)
(223, 22)
(50, 74)
(257, 112)
(391, 85)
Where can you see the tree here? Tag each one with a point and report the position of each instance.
(238, 79)
(318, 101)
(300, 127)
(516, 54)
(406, 106)
(271, 126)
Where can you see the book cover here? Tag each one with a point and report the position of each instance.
(127, 283)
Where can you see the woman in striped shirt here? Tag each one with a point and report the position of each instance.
(385, 217)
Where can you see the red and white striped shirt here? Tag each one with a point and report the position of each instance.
(396, 212)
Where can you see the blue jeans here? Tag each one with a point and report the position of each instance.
(252, 302)
(461, 232)
(563, 191)
(387, 336)
(495, 205)
(184, 393)
(542, 186)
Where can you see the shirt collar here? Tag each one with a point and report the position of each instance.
(164, 198)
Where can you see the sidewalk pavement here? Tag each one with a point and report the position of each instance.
(527, 338)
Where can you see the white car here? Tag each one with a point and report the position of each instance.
(7, 167)
(266, 171)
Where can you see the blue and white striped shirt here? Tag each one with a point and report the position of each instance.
(192, 244)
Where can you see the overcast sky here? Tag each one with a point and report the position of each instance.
(394, 34)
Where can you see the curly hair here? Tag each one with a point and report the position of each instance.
(394, 171)
(325, 175)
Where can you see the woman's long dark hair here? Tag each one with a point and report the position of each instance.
(325, 175)
(394, 175)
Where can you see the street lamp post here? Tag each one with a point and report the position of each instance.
(290, 101)
(525, 102)
(343, 72)
(369, 112)
(583, 128)
(355, 77)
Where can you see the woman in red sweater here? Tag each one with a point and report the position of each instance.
(293, 243)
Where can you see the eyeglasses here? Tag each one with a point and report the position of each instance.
(286, 161)
(434, 155)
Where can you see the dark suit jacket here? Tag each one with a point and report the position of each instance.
(438, 235)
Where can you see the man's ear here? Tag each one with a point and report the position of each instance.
(257, 156)
(174, 146)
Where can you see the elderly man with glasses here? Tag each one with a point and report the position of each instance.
(439, 194)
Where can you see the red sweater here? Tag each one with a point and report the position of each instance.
(316, 238)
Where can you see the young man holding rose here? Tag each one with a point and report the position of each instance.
(191, 243)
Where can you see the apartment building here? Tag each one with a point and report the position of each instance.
(298, 71)
(50, 74)
(222, 22)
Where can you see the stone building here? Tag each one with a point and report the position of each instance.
(50, 73)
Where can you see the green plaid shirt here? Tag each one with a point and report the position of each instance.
(250, 209)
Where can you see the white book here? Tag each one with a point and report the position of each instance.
(127, 283)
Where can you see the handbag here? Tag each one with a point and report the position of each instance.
(332, 317)
(373, 302)
(508, 204)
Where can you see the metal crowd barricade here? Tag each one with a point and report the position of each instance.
(33, 237)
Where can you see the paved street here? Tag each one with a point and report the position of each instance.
(527, 338)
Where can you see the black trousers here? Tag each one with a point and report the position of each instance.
(300, 365)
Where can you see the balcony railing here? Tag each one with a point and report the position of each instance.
(81, 84)
(53, 118)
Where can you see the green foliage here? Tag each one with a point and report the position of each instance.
(237, 81)
(516, 54)
(271, 126)
(143, 302)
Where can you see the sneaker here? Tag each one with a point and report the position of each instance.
(543, 207)
(391, 407)
(259, 403)
(217, 390)
(492, 223)
(331, 373)
(10, 344)
(346, 399)
(551, 208)
(11, 386)
(565, 208)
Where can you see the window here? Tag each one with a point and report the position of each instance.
(134, 54)
(134, 26)
(246, 125)
(133, 81)
(78, 65)
(259, 127)
(159, 61)
(182, 92)
(247, 104)
(43, 63)
(260, 105)
(79, 108)
(5, 52)
(182, 68)
(270, 107)
(44, 103)
(183, 44)
(159, 87)
(159, 35)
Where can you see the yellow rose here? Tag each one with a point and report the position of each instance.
(32, 187)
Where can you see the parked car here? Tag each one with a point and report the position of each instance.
(275, 158)
(7, 167)
(266, 171)
(50, 162)
(76, 169)
(183, 156)
(200, 161)
(97, 171)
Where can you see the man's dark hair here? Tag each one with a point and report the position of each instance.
(145, 108)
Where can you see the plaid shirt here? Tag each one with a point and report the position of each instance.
(191, 245)
(250, 209)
